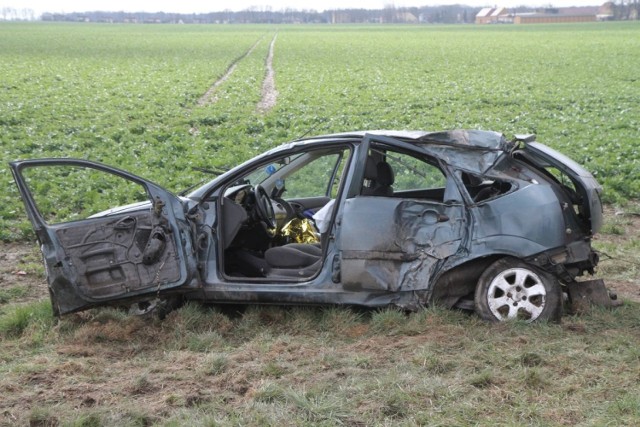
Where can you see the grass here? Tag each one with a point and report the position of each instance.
(431, 367)
(619, 243)
(6, 295)
(32, 318)
(127, 96)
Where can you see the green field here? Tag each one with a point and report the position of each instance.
(132, 96)
(128, 95)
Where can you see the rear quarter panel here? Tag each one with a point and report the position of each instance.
(521, 223)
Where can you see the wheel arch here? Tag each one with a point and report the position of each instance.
(460, 281)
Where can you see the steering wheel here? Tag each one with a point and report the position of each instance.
(264, 208)
(290, 212)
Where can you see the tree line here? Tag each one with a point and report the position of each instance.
(446, 14)
(451, 14)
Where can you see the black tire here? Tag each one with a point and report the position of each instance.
(511, 289)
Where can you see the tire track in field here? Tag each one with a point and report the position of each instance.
(209, 96)
(269, 92)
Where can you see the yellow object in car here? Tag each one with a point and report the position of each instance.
(300, 231)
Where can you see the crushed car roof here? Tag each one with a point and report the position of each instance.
(481, 139)
(472, 150)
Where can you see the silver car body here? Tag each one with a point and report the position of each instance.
(498, 198)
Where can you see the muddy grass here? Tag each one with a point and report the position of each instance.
(209, 96)
(619, 244)
(21, 273)
(269, 92)
(293, 366)
(328, 366)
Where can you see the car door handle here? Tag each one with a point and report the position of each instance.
(125, 223)
(443, 218)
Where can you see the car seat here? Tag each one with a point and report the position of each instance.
(378, 179)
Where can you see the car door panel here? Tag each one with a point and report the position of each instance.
(388, 243)
(116, 255)
(108, 255)
(394, 243)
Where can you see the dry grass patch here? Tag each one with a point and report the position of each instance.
(329, 366)
(431, 367)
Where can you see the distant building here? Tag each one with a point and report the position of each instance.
(557, 15)
(493, 15)
(500, 15)
(406, 17)
(606, 12)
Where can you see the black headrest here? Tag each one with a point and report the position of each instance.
(370, 169)
(385, 174)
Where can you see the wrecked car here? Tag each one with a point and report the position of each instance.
(458, 218)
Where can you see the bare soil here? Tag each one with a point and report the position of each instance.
(209, 95)
(619, 258)
(269, 92)
(18, 268)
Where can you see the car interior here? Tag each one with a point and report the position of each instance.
(261, 208)
(481, 189)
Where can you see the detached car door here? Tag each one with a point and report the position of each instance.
(95, 256)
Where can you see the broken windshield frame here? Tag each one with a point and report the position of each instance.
(260, 174)
(214, 171)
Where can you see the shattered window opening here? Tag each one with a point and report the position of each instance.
(320, 177)
(414, 177)
(69, 193)
(483, 188)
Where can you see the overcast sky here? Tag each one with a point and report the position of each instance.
(199, 6)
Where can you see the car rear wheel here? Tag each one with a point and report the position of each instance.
(511, 289)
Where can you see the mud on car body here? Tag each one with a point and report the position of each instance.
(460, 218)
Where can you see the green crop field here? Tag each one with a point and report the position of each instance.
(130, 96)
(160, 100)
